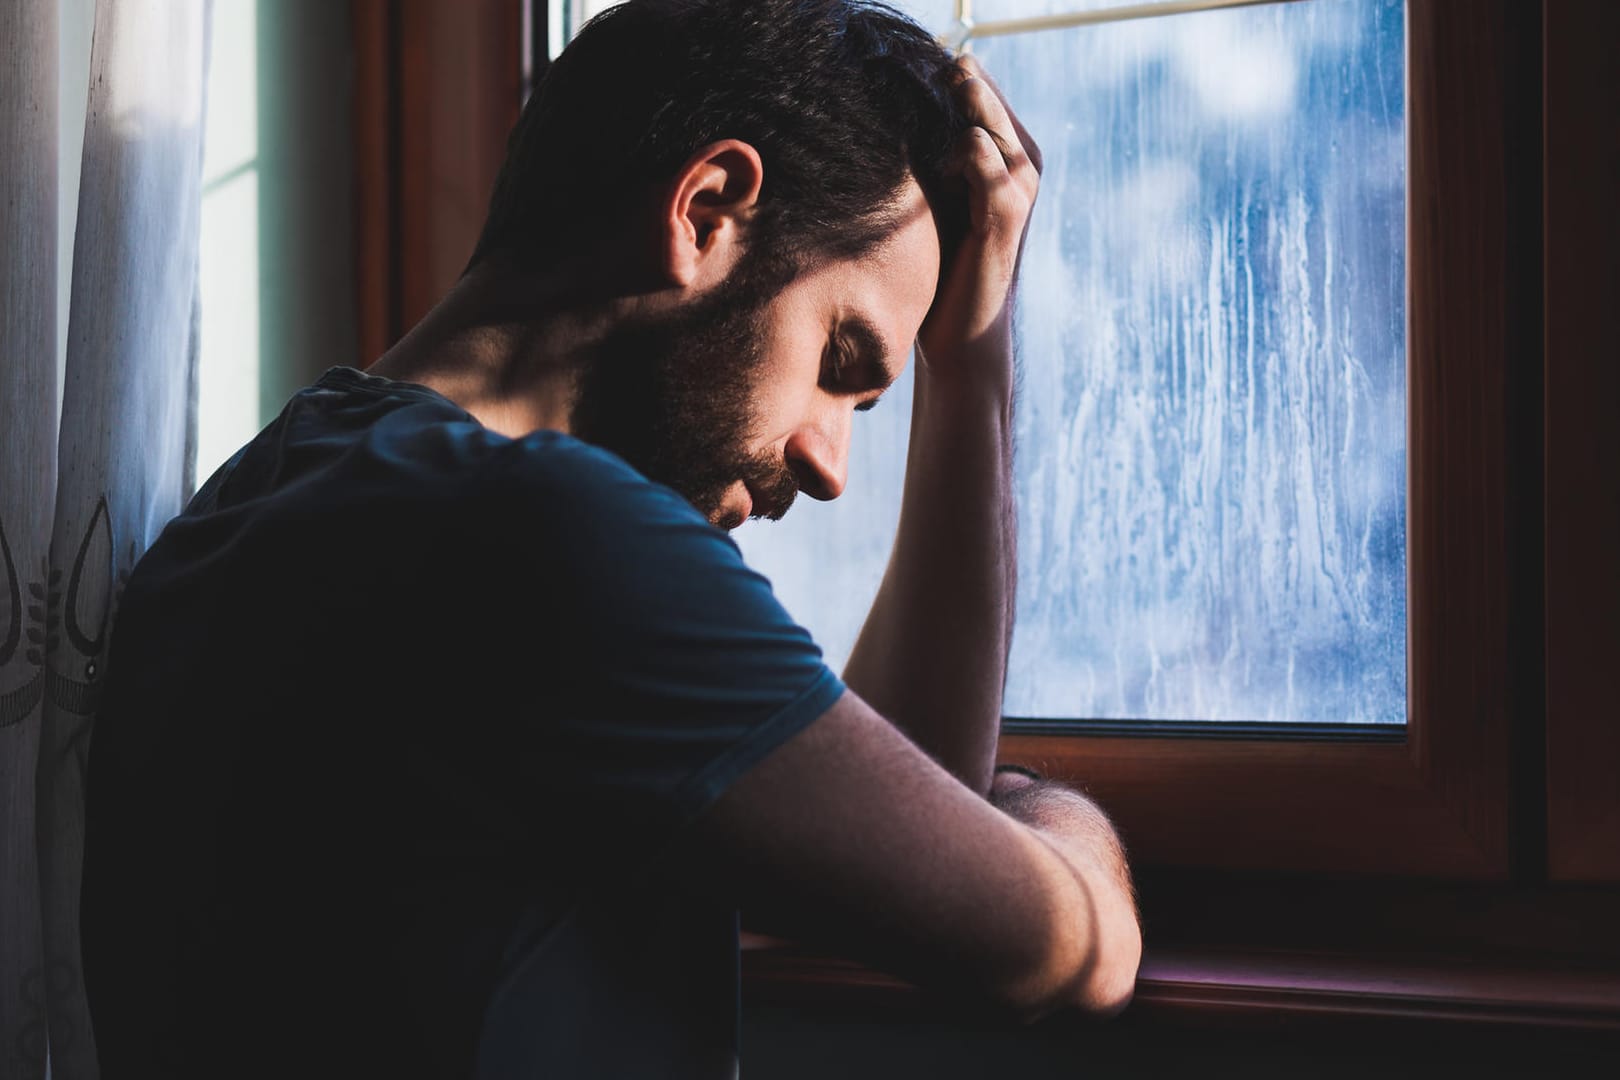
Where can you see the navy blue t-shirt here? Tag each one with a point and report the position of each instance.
(401, 717)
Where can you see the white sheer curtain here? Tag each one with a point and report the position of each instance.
(87, 480)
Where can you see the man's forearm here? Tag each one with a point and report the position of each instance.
(932, 654)
(1081, 834)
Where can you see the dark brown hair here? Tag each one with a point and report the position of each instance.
(843, 99)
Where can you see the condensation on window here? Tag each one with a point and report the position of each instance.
(1211, 427)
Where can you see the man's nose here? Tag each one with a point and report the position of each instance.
(818, 454)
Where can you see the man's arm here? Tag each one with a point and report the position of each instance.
(848, 836)
(932, 654)
(1072, 820)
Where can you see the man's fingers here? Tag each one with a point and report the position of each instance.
(975, 294)
(997, 202)
(971, 68)
(984, 108)
(1025, 139)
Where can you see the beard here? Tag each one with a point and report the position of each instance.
(672, 394)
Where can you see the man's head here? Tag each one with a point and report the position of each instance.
(789, 159)
(740, 400)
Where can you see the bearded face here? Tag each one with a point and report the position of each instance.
(672, 394)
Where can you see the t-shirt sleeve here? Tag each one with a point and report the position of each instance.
(674, 666)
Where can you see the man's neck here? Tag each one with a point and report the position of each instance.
(507, 350)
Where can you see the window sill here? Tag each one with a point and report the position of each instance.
(1185, 985)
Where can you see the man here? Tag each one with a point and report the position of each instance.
(447, 731)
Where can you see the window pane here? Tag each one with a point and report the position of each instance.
(228, 267)
(1211, 428)
(231, 141)
(937, 16)
(985, 11)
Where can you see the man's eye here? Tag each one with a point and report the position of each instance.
(841, 359)
(837, 360)
(867, 406)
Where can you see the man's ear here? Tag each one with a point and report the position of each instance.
(706, 207)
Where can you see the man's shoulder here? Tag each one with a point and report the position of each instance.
(575, 498)
(353, 436)
(550, 466)
(422, 489)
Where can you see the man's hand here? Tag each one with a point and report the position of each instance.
(970, 325)
(932, 655)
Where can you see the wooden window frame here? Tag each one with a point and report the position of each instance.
(1436, 802)
(438, 85)
(1470, 873)
(1582, 175)
(1493, 826)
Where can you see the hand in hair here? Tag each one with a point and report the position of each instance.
(968, 334)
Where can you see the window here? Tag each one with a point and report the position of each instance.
(1239, 220)
(277, 266)
(228, 411)
(1485, 825)
(1211, 430)
(1433, 800)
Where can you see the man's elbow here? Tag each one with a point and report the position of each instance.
(1109, 985)
(1092, 970)
(1086, 943)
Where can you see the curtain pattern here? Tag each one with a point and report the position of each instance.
(28, 203)
(84, 493)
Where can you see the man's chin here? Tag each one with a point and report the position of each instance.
(720, 512)
(733, 518)
(769, 496)
(775, 511)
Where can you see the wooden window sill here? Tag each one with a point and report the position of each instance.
(1237, 987)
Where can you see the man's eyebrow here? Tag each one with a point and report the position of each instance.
(866, 369)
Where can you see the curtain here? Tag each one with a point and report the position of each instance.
(88, 475)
